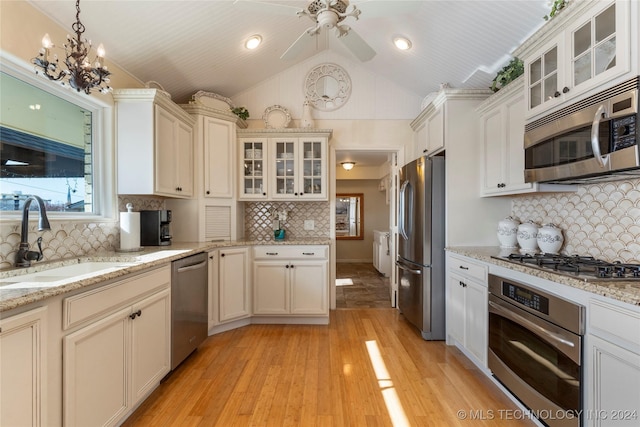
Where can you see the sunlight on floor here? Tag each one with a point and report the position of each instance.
(391, 400)
(344, 282)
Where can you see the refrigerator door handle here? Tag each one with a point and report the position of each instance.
(404, 210)
(410, 270)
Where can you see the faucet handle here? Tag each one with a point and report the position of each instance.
(39, 242)
(33, 255)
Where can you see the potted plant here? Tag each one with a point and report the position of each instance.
(556, 7)
(510, 72)
(240, 112)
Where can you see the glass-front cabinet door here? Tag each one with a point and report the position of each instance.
(253, 181)
(314, 178)
(285, 152)
(598, 45)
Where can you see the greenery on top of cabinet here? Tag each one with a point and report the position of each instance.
(510, 72)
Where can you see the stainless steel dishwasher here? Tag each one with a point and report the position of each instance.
(189, 278)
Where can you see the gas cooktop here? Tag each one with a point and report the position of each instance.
(585, 268)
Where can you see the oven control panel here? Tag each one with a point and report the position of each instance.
(526, 297)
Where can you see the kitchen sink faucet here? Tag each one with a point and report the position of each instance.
(24, 255)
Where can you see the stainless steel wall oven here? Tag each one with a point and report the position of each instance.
(535, 349)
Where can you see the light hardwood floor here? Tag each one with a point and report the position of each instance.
(367, 368)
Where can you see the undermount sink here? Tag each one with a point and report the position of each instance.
(65, 273)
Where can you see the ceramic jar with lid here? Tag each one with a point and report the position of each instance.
(550, 239)
(528, 237)
(507, 232)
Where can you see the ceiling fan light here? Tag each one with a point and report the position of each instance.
(402, 43)
(253, 42)
(348, 165)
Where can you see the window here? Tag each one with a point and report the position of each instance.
(51, 145)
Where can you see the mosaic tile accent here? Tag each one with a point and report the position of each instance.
(257, 219)
(601, 220)
(71, 239)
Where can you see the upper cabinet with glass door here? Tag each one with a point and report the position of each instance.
(586, 46)
(253, 152)
(293, 165)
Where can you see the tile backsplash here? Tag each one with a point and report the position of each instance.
(258, 225)
(601, 220)
(70, 239)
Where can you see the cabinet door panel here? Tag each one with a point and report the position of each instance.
(270, 287)
(309, 287)
(96, 372)
(151, 341)
(234, 280)
(21, 367)
(493, 147)
(184, 155)
(219, 138)
(456, 308)
(166, 168)
(476, 320)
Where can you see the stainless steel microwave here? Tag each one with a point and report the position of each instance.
(593, 140)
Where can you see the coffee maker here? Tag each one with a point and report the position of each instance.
(154, 228)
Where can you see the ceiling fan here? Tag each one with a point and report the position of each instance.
(328, 14)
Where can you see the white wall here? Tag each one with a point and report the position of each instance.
(372, 97)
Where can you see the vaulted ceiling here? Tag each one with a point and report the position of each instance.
(188, 46)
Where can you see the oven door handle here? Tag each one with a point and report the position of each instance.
(556, 340)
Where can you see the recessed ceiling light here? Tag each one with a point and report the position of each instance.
(253, 42)
(402, 43)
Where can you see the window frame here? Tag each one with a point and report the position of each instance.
(103, 160)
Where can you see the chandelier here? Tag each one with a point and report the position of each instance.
(81, 74)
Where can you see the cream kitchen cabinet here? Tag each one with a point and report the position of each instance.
(277, 165)
(213, 288)
(23, 355)
(121, 350)
(429, 129)
(234, 283)
(613, 361)
(584, 47)
(439, 123)
(290, 280)
(467, 302)
(154, 144)
(213, 211)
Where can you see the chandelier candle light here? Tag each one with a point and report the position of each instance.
(80, 74)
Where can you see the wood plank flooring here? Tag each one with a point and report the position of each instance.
(369, 367)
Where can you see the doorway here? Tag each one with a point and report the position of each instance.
(356, 282)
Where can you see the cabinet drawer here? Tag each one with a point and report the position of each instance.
(614, 320)
(98, 302)
(468, 268)
(290, 252)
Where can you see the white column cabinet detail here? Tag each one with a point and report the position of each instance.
(467, 302)
(234, 282)
(429, 128)
(23, 369)
(214, 286)
(291, 165)
(155, 144)
(116, 360)
(584, 47)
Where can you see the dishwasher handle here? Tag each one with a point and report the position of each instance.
(192, 267)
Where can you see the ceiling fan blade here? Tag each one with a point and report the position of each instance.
(377, 9)
(259, 7)
(298, 46)
(357, 46)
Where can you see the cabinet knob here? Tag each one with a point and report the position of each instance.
(291, 266)
(463, 284)
(286, 266)
(565, 90)
(135, 314)
(424, 151)
(462, 267)
(211, 257)
(208, 192)
(556, 95)
(264, 194)
(295, 194)
(221, 254)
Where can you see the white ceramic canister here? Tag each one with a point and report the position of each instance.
(528, 237)
(508, 232)
(550, 239)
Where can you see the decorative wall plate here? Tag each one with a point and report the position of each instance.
(327, 87)
(276, 117)
(212, 100)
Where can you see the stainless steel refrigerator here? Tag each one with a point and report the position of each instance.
(421, 234)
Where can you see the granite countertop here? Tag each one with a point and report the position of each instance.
(621, 290)
(14, 293)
